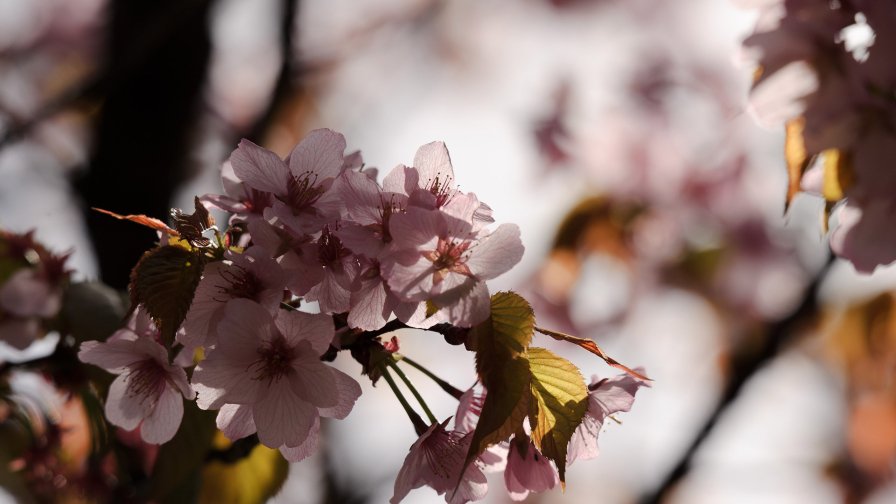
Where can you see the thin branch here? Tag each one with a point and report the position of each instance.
(777, 336)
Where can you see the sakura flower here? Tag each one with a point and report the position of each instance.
(527, 469)
(436, 460)
(430, 183)
(250, 275)
(241, 200)
(26, 297)
(148, 391)
(271, 365)
(300, 183)
(340, 267)
(440, 258)
(863, 234)
(605, 397)
(368, 211)
(373, 302)
(236, 421)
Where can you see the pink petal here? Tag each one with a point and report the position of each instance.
(114, 356)
(496, 253)
(320, 152)
(25, 294)
(315, 328)
(162, 423)
(470, 309)
(124, 409)
(368, 306)
(259, 168)
(307, 448)
(431, 161)
(313, 382)
(218, 380)
(235, 421)
(348, 393)
(361, 196)
(282, 418)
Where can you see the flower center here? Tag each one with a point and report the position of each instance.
(241, 284)
(440, 187)
(330, 249)
(147, 381)
(449, 257)
(274, 360)
(302, 191)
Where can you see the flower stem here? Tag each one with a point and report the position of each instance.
(419, 426)
(447, 387)
(400, 373)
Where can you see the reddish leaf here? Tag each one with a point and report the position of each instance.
(592, 347)
(150, 222)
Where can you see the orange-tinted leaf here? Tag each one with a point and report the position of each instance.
(838, 175)
(592, 347)
(150, 222)
(164, 281)
(558, 402)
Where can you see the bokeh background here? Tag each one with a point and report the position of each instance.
(616, 134)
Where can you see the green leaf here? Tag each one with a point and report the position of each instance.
(500, 344)
(164, 281)
(175, 475)
(91, 311)
(251, 480)
(507, 332)
(558, 402)
(505, 407)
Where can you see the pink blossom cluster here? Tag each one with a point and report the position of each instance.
(31, 294)
(437, 458)
(826, 68)
(314, 227)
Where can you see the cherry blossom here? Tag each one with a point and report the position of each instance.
(605, 397)
(436, 460)
(527, 469)
(250, 275)
(148, 391)
(272, 365)
(437, 257)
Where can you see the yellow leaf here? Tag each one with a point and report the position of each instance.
(500, 344)
(251, 480)
(558, 402)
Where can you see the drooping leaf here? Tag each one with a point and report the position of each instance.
(250, 480)
(164, 281)
(558, 402)
(505, 407)
(500, 344)
(592, 347)
(144, 220)
(795, 155)
(175, 475)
